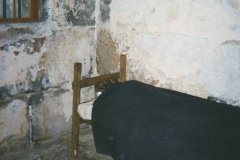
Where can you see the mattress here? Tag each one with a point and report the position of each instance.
(136, 121)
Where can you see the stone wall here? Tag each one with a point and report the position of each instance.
(36, 68)
(189, 46)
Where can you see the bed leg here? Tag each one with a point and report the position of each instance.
(75, 116)
(123, 62)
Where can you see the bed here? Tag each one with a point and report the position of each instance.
(136, 121)
(77, 109)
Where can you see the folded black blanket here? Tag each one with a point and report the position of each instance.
(136, 121)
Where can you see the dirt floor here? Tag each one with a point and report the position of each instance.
(58, 149)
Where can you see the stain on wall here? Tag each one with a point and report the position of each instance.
(107, 57)
(48, 121)
(15, 31)
(105, 10)
(30, 46)
(44, 15)
(13, 125)
(80, 13)
(231, 42)
(234, 3)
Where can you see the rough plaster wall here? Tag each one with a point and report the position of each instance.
(36, 68)
(189, 46)
(107, 59)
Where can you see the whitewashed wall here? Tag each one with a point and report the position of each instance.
(189, 46)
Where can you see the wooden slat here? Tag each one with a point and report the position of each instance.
(123, 63)
(75, 116)
(95, 80)
(89, 122)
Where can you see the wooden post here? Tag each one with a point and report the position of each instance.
(76, 102)
(123, 63)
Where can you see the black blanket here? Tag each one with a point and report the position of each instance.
(136, 121)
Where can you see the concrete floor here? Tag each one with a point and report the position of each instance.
(58, 149)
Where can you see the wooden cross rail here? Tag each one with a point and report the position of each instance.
(96, 80)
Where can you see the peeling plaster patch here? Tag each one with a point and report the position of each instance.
(19, 71)
(38, 44)
(16, 53)
(81, 13)
(42, 60)
(41, 81)
(36, 99)
(91, 70)
(231, 42)
(154, 82)
(107, 58)
(39, 84)
(234, 3)
(4, 92)
(4, 48)
(11, 143)
(16, 31)
(43, 10)
(67, 105)
(107, 1)
(8, 91)
(13, 121)
(29, 46)
(11, 90)
(105, 9)
(51, 114)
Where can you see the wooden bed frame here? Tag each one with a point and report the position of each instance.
(79, 83)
